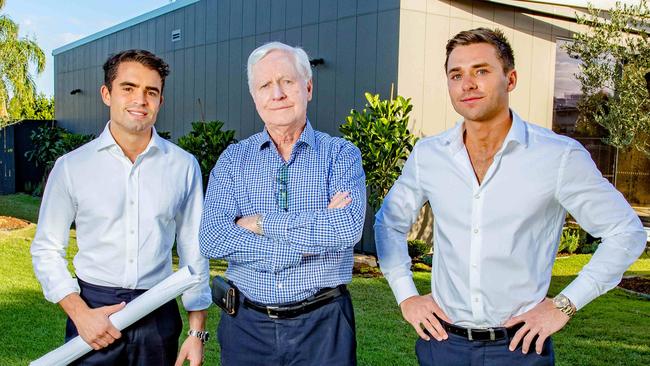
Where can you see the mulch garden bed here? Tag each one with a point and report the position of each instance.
(12, 223)
(636, 284)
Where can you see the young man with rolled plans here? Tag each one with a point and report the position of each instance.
(499, 188)
(130, 194)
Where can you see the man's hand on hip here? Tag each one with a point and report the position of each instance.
(542, 321)
(93, 325)
(419, 312)
(191, 350)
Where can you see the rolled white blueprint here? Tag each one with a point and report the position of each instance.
(135, 310)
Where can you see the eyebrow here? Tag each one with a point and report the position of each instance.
(475, 66)
(128, 83)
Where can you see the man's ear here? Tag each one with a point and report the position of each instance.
(106, 95)
(310, 88)
(162, 99)
(512, 79)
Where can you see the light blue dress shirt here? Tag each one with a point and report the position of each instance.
(304, 248)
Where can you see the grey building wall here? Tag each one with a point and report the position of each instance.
(358, 41)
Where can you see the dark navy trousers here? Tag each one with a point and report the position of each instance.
(325, 336)
(459, 351)
(151, 341)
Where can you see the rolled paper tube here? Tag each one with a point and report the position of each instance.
(144, 304)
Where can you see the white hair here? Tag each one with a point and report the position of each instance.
(300, 59)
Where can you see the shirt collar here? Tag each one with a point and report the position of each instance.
(517, 134)
(307, 137)
(106, 140)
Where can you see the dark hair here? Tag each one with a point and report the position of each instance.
(484, 35)
(143, 57)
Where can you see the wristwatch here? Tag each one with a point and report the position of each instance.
(258, 224)
(200, 334)
(565, 305)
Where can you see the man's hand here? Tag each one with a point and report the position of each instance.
(249, 223)
(340, 200)
(419, 312)
(542, 321)
(93, 325)
(191, 350)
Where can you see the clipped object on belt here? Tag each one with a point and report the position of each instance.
(225, 295)
(163, 292)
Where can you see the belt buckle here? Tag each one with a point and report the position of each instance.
(272, 308)
(490, 330)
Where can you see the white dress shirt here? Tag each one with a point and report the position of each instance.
(495, 243)
(127, 216)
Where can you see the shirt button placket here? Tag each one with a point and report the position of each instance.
(475, 253)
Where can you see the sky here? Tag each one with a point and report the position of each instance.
(55, 23)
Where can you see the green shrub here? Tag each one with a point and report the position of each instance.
(569, 241)
(49, 143)
(418, 248)
(206, 142)
(381, 132)
(427, 259)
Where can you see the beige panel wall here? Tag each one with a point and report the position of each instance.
(425, 27)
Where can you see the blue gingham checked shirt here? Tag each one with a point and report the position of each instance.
(305, 248)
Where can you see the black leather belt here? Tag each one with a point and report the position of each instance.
(292, 310)
(481, 334)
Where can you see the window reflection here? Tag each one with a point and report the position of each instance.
(629, 169)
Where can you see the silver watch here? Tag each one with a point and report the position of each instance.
(565, 305)
(203, 335)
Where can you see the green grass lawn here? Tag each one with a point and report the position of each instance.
(612, 330)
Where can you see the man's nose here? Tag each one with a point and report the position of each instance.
(469, 82)
(277, 92)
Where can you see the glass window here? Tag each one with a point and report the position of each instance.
(629, 169)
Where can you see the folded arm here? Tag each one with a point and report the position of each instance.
(331, 229)
(221, 237)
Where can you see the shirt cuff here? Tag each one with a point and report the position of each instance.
(57, 294)
(403, 288)
(275, 225)
(580, 291)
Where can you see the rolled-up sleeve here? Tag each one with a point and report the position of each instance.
(50, 243)
(393, 222)
(603, 212)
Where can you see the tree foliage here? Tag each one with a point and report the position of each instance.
(615, 55)
(17, 54)
(381, 132)
(42, 108)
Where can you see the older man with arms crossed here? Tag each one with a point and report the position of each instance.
(130, 193)
(285, 207)
(499, 189)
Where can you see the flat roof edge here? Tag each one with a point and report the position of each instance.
(126, 24)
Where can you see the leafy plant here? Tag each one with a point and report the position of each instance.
(165, 134)
(49, 143)
(418, 248)
(206, 142)
(569, 241)
(615, 55)
(381, 132)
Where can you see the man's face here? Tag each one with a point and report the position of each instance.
(279, 91)
(477, 85)
(135, 98)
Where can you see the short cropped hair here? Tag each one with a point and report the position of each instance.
(494, 37)
(143, 57)
(300, 59)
